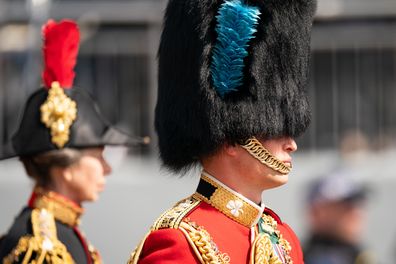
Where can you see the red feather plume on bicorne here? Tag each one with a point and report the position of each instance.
(61, 42)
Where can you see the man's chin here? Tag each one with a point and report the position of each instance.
(279, 178)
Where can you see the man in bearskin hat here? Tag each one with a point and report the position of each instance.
(231, 97)
(60, 142)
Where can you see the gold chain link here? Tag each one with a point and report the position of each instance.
(258, 151)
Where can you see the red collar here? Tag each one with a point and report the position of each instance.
(63, 209)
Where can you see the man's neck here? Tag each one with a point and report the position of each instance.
(237, 183)
(231, 203)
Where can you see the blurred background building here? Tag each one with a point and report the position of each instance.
(352, 91)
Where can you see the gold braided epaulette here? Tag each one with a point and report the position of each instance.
(173, 217)
(41, 247)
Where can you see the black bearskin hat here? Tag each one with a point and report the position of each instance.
(194, 116)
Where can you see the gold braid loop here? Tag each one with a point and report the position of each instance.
(263, 252)
(202, 244)
(262, 249)
(287, 248)
(258, 151)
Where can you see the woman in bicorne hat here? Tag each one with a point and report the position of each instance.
(60, 142)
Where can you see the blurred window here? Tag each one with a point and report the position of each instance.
(352, 82)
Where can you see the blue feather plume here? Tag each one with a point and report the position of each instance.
(236, 25)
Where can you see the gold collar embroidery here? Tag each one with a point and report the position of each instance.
(63, 209)
(228, 201)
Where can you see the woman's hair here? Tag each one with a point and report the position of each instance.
(39, 166)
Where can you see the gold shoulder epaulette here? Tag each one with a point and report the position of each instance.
(169, 219)
(173, 217)
(41, 247)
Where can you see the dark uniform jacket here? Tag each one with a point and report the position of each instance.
(46, 231)
(329, 250)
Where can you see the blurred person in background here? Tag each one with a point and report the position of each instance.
(231, 97)
(60, 142)
(336, 214)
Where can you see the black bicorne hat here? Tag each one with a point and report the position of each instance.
(58, 116)
(89, 129)
(218, 84)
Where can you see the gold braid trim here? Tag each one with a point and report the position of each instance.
(173, 217)
(230, 203)
(134, 257)
(169, 219)
(271, 222)
(259, 152)
(95, 256)
(262, 248)
(262, 251)
(61, 208)
(43, 246)
(202, 244)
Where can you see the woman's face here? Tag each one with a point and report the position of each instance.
(88, 176)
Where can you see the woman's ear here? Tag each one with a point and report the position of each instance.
(67, 175)
(64, 174)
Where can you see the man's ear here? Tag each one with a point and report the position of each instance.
(231, 150)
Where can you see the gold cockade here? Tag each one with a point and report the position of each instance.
(58, 114)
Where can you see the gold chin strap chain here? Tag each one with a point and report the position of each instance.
(258, 151)
(58, 114)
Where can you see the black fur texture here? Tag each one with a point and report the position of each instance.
(192, 120)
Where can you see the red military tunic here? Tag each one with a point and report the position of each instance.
(218, 225)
